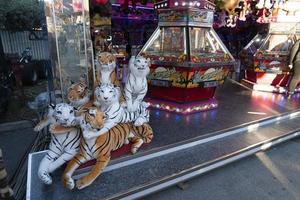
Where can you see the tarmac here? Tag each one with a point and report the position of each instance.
(269, 175)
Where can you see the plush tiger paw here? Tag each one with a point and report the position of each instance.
(81, 183)
(52, 128)
(38, 128)
(130, 108)
(134, 150)
(135, 105)
(68, 182)
(126, 141)
(45, 177)
(145, 104)
(140, 121)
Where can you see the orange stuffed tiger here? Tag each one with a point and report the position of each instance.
(101, 147)
(79, 96)
(106, 74)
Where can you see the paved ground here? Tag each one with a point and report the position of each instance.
(18, 110)
(14, 144)
(271, 175)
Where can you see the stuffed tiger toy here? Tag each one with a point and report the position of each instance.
(107, 98)
(5, 190)
(78, 94)
(65, 140)
(100, 148)
(136, 85)
(106, 73)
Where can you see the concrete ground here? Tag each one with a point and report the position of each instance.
(270, 175)
(15, 139)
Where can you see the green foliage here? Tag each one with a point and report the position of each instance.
(18, 15)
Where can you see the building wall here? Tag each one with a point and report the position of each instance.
(16, 42)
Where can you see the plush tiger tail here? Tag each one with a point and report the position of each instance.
(144, 132)
(5, 190)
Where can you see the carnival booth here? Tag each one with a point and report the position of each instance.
(266, 67)
(188, 59)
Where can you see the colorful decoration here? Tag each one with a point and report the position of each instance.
(187, 108)
(176, 77)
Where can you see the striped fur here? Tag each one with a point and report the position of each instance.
(64, 144)
(107, 97)
(101, 147)
(136, 86)
(5, 190)
(106, 73)
(61, 113)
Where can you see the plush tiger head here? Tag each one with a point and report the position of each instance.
(92, 118)
(139, 66)
(107, 94)
(78, 94)
(63, 114)
(107, 61)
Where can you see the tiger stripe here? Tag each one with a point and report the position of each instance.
(101, 148)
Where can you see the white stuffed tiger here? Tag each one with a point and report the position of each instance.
(136, 85)
(107, 98)
(78, 96)
(65, 140)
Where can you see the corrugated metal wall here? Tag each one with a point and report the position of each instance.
(16, 42)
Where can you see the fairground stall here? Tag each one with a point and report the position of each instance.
(188, 59)
(188, 62)
(266, 67)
